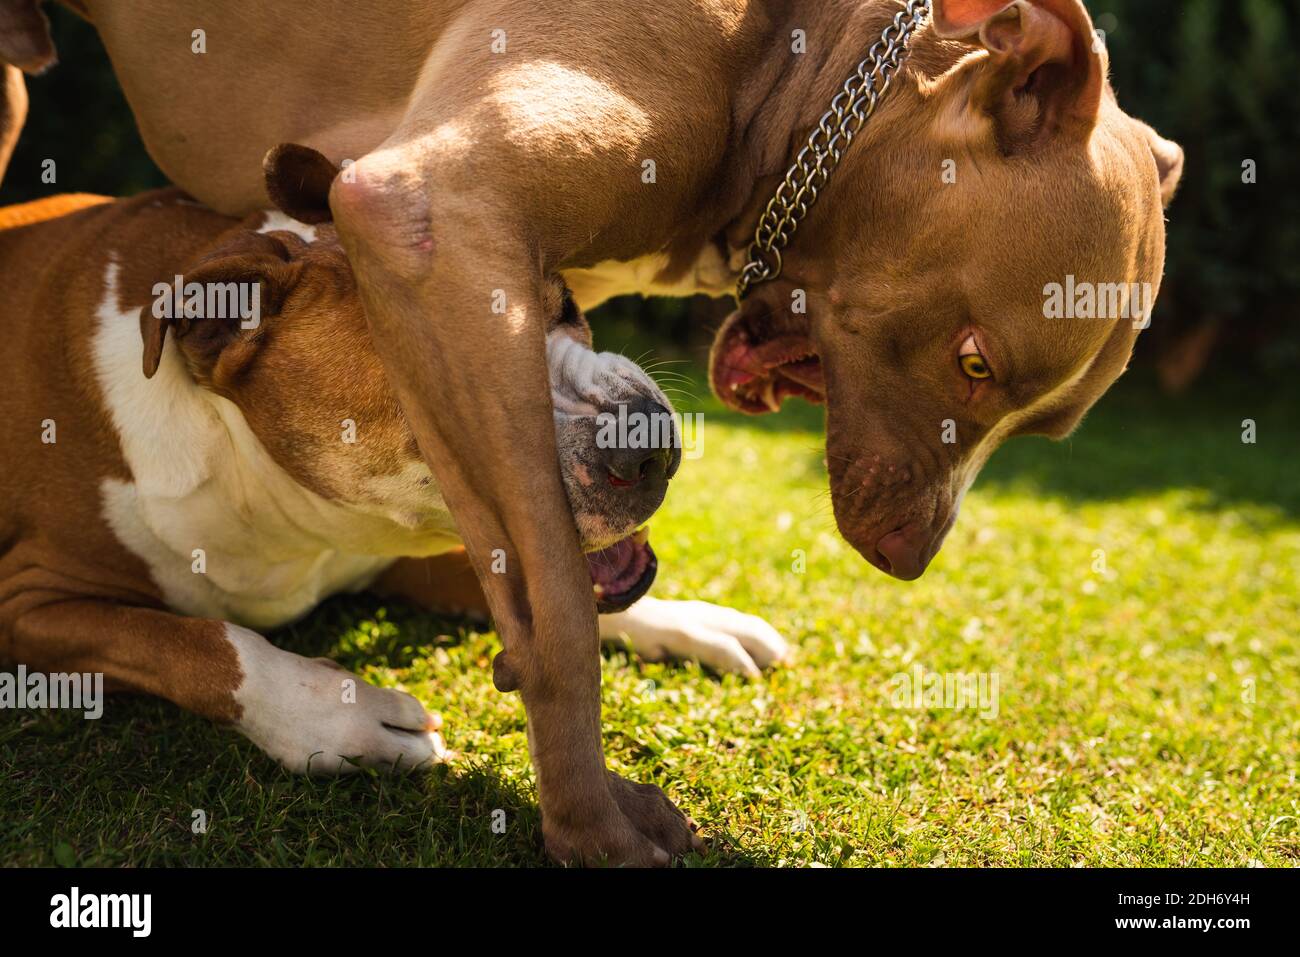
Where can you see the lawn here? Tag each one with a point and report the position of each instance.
(1147, 709)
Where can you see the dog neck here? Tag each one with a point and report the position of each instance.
(779, 100)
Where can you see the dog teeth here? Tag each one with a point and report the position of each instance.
(642, 535)
(769, 396)
(599, 590)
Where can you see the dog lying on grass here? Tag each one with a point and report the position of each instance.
(201, 441)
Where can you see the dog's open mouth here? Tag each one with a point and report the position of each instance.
(623, 572)
(756, 376)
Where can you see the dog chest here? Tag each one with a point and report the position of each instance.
(710, 275)
(225, 531)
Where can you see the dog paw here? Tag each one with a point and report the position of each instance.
(655, 815)
(641, 828)
(721, 638)
(315, 717)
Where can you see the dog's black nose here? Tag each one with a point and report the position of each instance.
(628, 467)
(645, 451)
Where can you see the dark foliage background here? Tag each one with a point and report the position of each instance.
(1218, 76)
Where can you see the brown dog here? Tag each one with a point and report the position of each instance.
(496, 143)
(181, 468)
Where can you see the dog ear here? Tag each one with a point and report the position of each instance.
(298, 182)
(1169, 161)
(1046, 66)
(217, 310)
(25, 36)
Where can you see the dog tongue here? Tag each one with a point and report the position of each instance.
(806, 372)
(617, 569)
(769, 371)
(744, 361)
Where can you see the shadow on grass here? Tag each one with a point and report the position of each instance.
(129, 789)
(364, 629)
(1138, 441)
(125, 791)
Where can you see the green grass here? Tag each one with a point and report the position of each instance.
(1127, 731)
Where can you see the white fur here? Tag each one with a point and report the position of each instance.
(202, 480)
(722, 638)
(278, 221)
(583, 382)
(314, 716)
(710, 275)
(273, 550)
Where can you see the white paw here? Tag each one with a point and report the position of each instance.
(315, 716)
(720, 637)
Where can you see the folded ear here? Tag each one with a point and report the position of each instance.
(25, 36)
(216, 307)
(1045, 70)
(1169, 161)
(298, 181)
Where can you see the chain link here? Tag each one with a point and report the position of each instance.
(849, 112)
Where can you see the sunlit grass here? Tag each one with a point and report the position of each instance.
(1134, 591)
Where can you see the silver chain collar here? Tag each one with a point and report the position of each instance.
(812, 168)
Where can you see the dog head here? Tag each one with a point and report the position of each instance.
(278, 328)
(619, 447)
(979, 268)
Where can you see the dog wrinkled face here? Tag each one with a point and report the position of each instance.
(993, 250)
(312, 389)
(305, 376)
(619, 446)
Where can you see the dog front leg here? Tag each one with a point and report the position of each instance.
(452, 292)
(310, 714)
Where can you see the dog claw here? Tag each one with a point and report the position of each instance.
(441, 752)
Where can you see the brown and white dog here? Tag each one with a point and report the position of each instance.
(633, 147)
(174, 480)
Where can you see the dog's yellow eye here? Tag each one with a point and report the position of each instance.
(975, 367)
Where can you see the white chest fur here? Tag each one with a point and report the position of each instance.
(710, 275)
(225, 531)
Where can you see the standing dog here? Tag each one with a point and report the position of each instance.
(492, 144)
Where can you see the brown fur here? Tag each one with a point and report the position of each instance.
(444, 583)
(25, 37)
(478, 171)
(72, 598)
